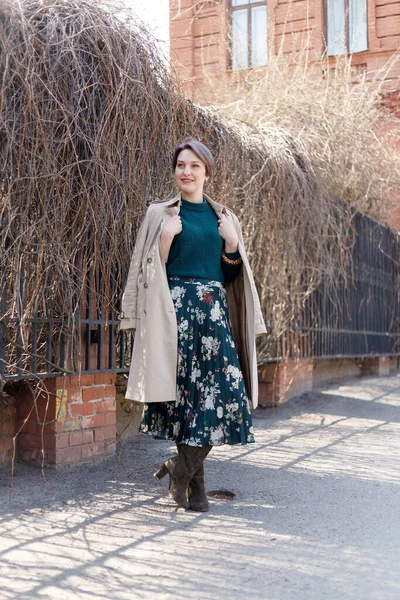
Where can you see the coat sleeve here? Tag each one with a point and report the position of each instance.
(129, 312)
(259, 324)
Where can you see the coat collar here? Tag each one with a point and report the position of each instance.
(177, 200)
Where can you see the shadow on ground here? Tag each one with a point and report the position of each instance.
(315, 515)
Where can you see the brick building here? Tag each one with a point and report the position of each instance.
(214, 37)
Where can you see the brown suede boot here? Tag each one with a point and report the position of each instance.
(179, 479)
(181, 470)
(197, 492)
(163, 470)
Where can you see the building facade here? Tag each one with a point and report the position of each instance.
(210, 38)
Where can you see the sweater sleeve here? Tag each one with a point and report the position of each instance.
(231, 271)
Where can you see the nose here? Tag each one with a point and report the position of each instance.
(186, 170)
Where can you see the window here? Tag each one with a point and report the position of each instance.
(249, 33)
(346, 26)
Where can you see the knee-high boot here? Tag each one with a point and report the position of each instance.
(182, 469)
(197, 492)
(194, 496)
(162, 471)
(187, 470)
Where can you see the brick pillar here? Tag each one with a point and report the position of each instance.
(79, 413)
(379, 365)
(8, 425)
(280, 381)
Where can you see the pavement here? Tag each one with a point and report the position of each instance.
(316, 514)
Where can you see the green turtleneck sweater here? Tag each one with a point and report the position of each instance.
(196, 251)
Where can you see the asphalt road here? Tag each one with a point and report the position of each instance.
(316, 514)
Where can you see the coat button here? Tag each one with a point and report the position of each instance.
(146, 285)
(149, 260)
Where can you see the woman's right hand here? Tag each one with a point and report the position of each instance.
(172, 227)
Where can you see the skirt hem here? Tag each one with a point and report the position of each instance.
(170, 439)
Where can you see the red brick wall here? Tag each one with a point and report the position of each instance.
(80, 411)
(198, 47)
(74, 420)
(280, 381)
(199, 33)
(387, 14)
(327, 371)
(8, 422)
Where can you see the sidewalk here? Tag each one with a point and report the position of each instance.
(316, 514)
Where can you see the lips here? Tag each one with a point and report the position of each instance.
(187, 180)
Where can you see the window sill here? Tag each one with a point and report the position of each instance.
(244, 69)
(348, 53)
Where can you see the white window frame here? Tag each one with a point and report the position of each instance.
(248, 5)
(347, 42)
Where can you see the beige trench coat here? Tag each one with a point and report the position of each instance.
(147, 307)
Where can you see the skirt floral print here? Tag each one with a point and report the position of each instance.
(211, 406)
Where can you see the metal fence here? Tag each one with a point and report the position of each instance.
(43, 346)
(359, 319)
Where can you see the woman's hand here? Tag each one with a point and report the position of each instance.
(228, 233)
(170, 229)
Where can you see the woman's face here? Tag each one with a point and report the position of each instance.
(190, 172)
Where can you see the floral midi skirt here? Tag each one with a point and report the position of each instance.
(211, 406)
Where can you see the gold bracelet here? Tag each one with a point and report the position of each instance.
(229, 261)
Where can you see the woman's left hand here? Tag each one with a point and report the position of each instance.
(228, 233)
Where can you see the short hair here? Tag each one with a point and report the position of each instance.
(199, 149)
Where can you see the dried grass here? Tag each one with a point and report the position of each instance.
(335, 112)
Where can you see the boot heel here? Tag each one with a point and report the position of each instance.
(162, 472)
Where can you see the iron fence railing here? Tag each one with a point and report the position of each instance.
(44, 345)
(358, 318)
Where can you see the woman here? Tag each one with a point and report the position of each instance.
(191, 297)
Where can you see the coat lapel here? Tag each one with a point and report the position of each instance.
(219, 208)
(172, 206)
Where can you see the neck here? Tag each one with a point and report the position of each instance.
(193, 197)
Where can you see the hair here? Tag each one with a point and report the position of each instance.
(200, 150)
